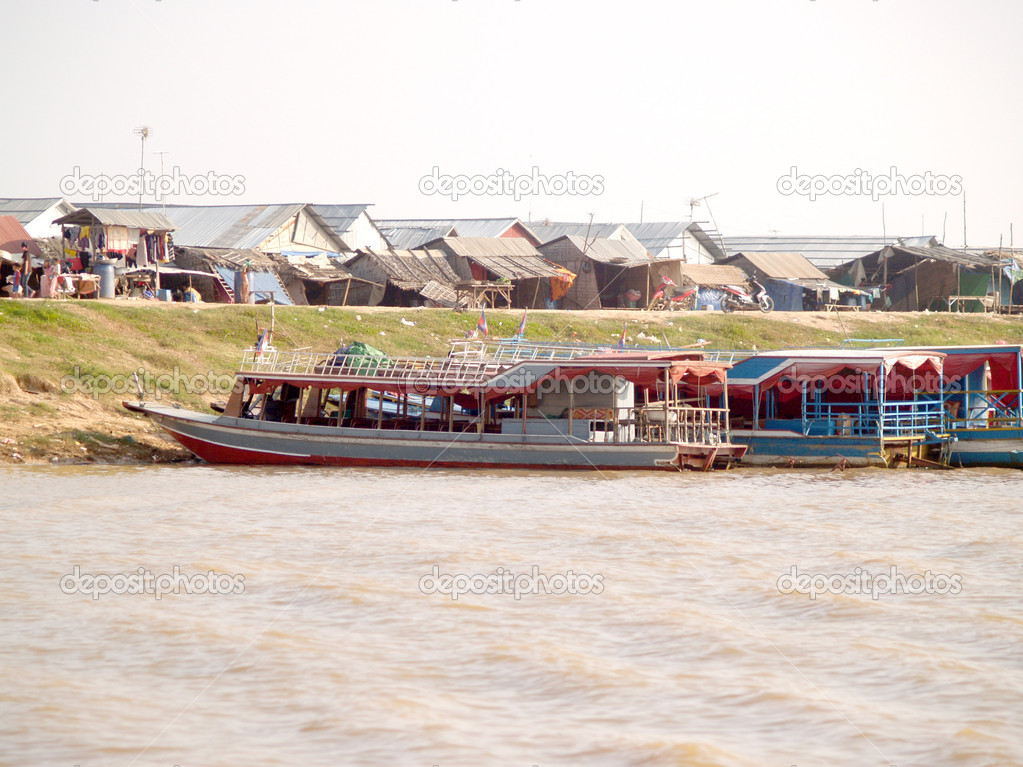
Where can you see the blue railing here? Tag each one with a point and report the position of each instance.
(871, 419)
(903, 419)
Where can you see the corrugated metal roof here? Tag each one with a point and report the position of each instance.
(711, 275)
(656, 236)
(464, 227)
(823, 251)
(223, 226)
(548, 231)
(26, 208)
(782, 266)
(229, 226)
(410, 237)
(513, 258)
(340, 217)
(614, 252)
(941, 253)
(140, 219)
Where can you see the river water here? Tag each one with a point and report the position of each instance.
(653, 623)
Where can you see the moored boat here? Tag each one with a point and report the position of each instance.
(839, 407)
(614, 411)
(983, 406)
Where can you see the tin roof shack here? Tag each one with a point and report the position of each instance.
(511, 260)
(36, 214)
(826, 252)
(317, 280)
(225, 267)
(548, 231)
(292, 227)
(794, 283)
(133, 238)
(684, 241)
(412, 233)
(910, 278)
(403, 278)
(352, 225)
(600, 265)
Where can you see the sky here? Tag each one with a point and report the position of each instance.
(624, 109)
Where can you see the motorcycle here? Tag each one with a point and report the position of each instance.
(665, 298)
(737, 298)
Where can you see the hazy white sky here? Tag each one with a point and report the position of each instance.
(350, 101)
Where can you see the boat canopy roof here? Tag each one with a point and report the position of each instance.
(1003, 359)
(766, 369)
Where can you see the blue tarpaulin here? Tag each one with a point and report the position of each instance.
(261, 283)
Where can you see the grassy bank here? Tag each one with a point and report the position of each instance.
(42, 342)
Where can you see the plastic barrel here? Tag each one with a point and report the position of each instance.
(107, 278)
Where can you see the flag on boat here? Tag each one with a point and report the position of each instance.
(262, 342)
(521, 332)
(481, 326)
(621, 341)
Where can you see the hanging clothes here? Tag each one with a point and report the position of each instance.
(142, 253)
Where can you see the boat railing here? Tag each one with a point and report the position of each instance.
(690, 425)
(912, 418)
(983, 409)
(514, 350)
(425, 370)
(868, 419)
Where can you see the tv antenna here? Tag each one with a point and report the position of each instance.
(143, 132)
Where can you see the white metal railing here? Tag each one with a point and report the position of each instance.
(444, 371)
(655, 423)
(517, 351)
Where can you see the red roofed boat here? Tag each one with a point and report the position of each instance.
(610, 411)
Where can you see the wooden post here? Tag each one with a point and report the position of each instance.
(571, 405)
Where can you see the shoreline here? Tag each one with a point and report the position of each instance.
(48, 348)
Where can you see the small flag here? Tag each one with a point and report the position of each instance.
(481, 326)
(262, 342)
(521, 333)
(621, 341)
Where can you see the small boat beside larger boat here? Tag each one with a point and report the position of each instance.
(847, 407)
(983, 406)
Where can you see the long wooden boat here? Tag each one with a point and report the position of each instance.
(839, 407)
(615, 411)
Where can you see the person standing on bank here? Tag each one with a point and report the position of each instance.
(26, 270)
